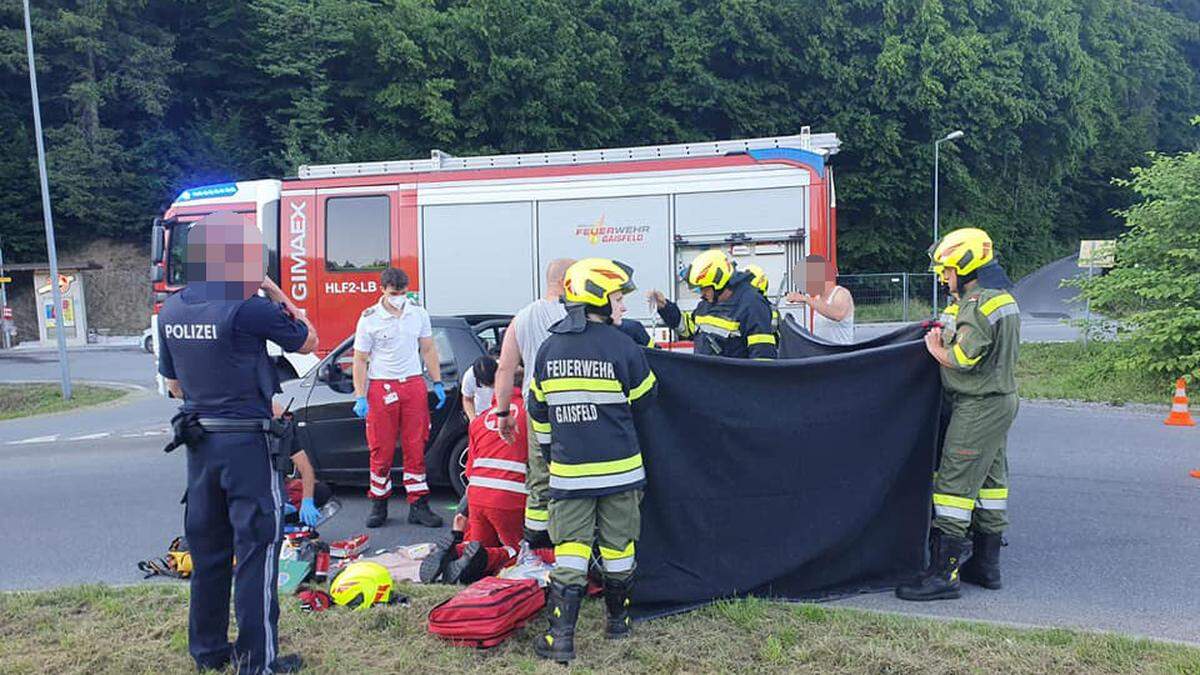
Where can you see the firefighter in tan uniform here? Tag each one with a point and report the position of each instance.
(977, 351)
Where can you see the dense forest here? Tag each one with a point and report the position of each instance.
(142, 98)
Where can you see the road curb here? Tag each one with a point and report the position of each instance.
(1021, 625)
(133, 393)
(1097, 406)
(42, 351)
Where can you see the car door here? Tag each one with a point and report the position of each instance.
(450, 372)
(336, 436)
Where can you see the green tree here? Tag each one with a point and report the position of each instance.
(1154, 290)
(142, 98)
(103, 81)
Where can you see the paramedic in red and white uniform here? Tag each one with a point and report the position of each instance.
(495, 501)
(392, 338)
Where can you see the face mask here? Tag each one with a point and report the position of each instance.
(397, 301)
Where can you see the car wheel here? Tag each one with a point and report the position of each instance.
(456, 467)
(148, 343)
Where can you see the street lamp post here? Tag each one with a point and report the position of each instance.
(952, 136)
(47, 217)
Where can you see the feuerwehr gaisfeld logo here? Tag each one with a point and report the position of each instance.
(601, 233)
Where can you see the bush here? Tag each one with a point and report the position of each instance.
(1154, 290)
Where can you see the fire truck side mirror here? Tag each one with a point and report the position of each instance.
(156, 241)
(156, 273)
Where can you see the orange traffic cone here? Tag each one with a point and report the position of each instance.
(1180, 417)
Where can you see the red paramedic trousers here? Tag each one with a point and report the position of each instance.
(397, 408)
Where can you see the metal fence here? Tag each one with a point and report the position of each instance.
(896, 296)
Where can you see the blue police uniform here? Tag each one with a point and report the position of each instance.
(217, 351)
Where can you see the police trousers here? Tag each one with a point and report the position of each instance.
(970, 490)
(612, 521)
(537, 484)
(234, 508)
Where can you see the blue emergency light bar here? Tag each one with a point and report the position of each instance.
(207, 192)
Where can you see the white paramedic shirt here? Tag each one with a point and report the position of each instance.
(391, 340)
(482, 395)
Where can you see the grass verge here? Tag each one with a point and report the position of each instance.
(918, 310)
(143, 629)
(20, 400)
(1071, 370)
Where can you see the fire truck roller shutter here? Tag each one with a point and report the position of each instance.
(771, 220)
(466, 247)
(634, 230)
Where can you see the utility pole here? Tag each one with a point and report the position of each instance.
(51, 251)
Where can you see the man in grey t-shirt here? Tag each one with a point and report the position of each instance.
(525, 335)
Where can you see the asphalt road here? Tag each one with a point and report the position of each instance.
(1101, 508)
(1103, 518)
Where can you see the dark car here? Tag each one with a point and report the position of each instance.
(335, 439)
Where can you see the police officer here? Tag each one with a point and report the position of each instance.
(731, 318)
(977, 351)
(213, 354)
(588, 380)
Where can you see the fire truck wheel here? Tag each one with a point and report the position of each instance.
(456, 467)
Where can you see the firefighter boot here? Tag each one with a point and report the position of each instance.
(469, 566)
(616, 604)
(558, 642)
(940, 581)
(434, 564)
(378, 513)
(538, 538)
(420, 514)
(983, 568)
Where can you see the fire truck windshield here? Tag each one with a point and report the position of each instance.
(176, 255)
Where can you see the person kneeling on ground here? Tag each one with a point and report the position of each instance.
(495, 502)
(306, 496)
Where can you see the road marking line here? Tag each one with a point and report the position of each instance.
(89, 437)
(35, 439)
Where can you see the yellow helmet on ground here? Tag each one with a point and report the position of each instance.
(758, 278)
(592, 280)
(361, 584)
(966, 250)
(711, 268)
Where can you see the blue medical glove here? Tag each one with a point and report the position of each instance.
(288, 509)
(309, 514)
(440, 392)
(360, 406)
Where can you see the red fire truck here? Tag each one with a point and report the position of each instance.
(475, 233)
